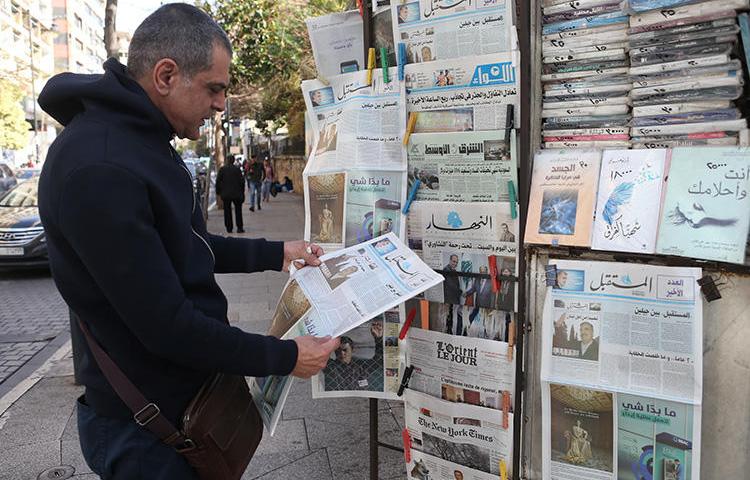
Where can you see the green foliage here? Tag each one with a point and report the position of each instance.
(14, 130)
(272, 54)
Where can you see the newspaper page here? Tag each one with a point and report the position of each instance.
(366, 364)
(463, 167)
(435, 30)
(337, 43)
(374, 199)
(325, 197)
(360, 282)
(358, 125)
(465, 321)
(463, 435)
(601, 435)
(464, 94)
(461, 369)
(462, 238)
(624, 327)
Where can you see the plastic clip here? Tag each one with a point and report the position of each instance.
(401, 61)
(492, 262)
(407, 323)
(511, 339)
(424, 311)
(361, 7)
(405, 380)
(503, 470)
(709, 288)
(407, 444)
(384, 63)
(410, 198)
(550, 272)
(513, 199)
(370, 64)
(410, 127)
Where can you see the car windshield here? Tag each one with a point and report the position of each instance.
(23, 195)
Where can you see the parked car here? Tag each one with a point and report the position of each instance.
(7, 179)
(22, 239)
(23, 174)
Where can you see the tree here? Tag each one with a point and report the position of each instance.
(14, 130)
(272, 55)
(111, 44)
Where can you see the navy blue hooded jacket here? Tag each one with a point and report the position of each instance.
(130, 253)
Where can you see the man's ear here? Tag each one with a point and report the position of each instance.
(165, 75)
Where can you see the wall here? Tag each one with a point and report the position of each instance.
(290, 166)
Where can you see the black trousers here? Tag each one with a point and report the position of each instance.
(228, 204)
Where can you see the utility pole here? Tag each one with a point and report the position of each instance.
(33, 86)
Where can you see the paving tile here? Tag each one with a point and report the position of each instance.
(314, 466)
(26, 461)
(289, 435)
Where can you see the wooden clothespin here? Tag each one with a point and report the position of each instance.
(410, 127)
(506, 409)
(407, 323)
(370, 64)
(511, 339)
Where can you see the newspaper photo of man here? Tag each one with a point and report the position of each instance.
(357, 366)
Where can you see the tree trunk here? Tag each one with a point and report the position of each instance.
(110, 33)
(218, 157)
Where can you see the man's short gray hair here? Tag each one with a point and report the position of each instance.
(179, 31)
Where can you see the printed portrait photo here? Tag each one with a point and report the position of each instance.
(576, 336)
(321, 96)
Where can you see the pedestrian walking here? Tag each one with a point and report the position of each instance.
(255, 175)
(268, 179)
(131, 256)
(230, 186)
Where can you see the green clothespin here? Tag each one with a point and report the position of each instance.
(384, 63)
(513, 199)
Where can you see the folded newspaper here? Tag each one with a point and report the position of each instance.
(350, 287)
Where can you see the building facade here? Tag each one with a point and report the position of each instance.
(79, 44)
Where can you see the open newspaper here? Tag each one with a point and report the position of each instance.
(627, 328)
(448, 436)
(463, 94)
(461, 369)
(600, 435)
(350, 287)
(463, 238)
(433, 30)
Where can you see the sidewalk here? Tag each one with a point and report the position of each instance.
(316, 439)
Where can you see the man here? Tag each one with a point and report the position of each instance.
(485, 297)
(348, 373)
(231, 188)
(403, 13)
(458, 475)
(451, 288)
(589, 348)
(128, 246)
(255, 176)
(505, 234)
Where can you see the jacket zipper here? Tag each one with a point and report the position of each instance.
(192, 211)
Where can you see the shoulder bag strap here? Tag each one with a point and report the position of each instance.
(145, 413)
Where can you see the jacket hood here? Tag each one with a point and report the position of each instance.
(113, 94)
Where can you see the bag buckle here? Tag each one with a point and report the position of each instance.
(150, 411)
(187, 446)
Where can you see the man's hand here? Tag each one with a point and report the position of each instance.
(313, 354)
(301, 250)
(376, 329)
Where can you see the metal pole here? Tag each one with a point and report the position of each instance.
(373, 439)
(33, 86)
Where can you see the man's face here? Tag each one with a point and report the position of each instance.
(562, 278)
(587, 333)
(453, 262)
(483, 270)
(192, 101)
(458, 475)
(505, 228)
(403, 12)
(317, 97)
(345, 352)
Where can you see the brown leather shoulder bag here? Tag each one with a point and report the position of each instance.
(221, 427)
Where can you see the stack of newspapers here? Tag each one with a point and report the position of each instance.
(585, 100)
(684, 72)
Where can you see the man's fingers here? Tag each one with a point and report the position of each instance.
(331, 344)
